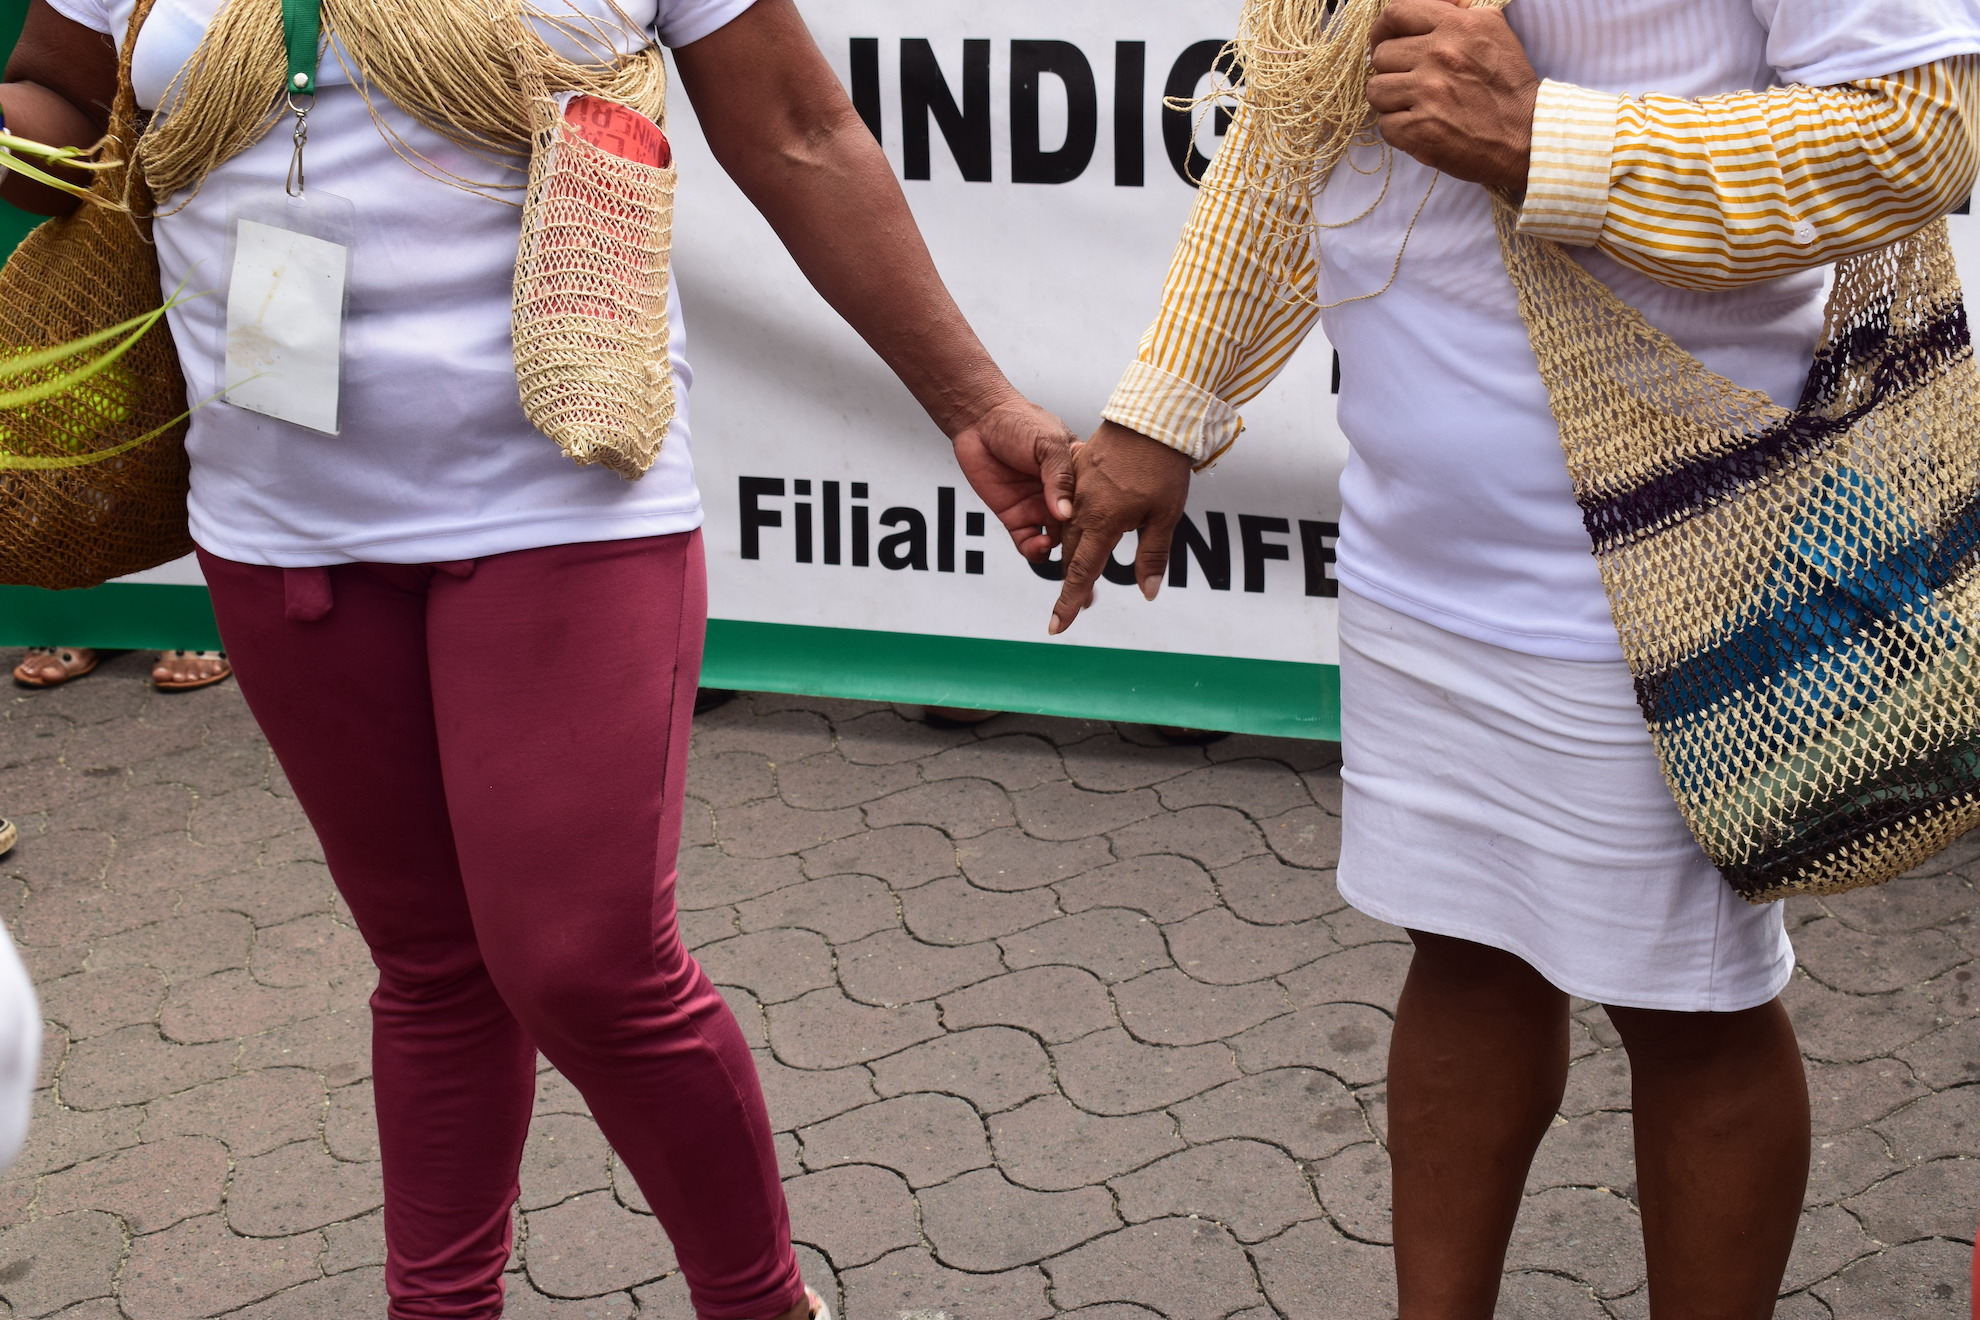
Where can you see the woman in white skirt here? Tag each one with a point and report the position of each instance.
(1707, 159)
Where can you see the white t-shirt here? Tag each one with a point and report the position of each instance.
(1457, 505)
(435, 460)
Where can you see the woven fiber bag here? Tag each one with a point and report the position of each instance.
(1797, 590)
(79, 524)
(590, 318)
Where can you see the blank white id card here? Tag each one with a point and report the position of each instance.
(285, 323)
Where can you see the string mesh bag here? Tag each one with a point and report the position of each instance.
(93, 478)
(592, 273)
(1797, 590)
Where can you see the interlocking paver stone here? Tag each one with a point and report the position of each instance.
(1254, 1190)
(981, 1222)
(149, 1187)
(904, 856)
(1110, 1072)
(932, 1012)
(1010, 859)
(954, 911)
(825, 1029)
(1300, 1109)
(296, 1188)
(198, 1268)
(994, 1068)
(53, 1263)
(925, 1138)
(1929, 1200)
(960, 808)
(1350, 1041)
(775, 965)
(591, 1245)
(842, 908)
(1166, 1007)
(1054, 1003)
(895, 968)
(1052, 1145)
(1114, 944)
(1312, 1271)
(1164, 887)
(1187, 1269)
(910, 1282)
(854, 1214)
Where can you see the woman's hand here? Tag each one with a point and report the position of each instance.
(57, 91)
(1455, 90)
(779, 122)
(1123, 480)
(1018, 459)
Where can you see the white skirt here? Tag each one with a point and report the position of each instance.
(1516, 800)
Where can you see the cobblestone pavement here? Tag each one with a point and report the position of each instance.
(1050, 1019)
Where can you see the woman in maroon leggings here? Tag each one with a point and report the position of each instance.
(477, 661)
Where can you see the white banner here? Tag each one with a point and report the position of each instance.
(1033, 143)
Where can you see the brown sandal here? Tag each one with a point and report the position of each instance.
(161, 676)
(71, 663)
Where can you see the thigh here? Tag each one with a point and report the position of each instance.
(564, 683)
(346, 703)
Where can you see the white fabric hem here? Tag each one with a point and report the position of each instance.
(1552, 646)
(442, 547)
(1710, 1002)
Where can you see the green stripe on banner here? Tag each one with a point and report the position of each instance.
(1270, 697)
(115, 615)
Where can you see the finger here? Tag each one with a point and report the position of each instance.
(1027, 521)
(1409, 18)
(1055, 473)
(1392, 93)
(1401, 54)
(1068, 606)
(1084, 564)
(1151, 555)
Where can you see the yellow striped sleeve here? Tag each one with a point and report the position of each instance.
(1735, 189)
(1232, 314)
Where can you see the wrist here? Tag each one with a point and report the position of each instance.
(963, 405)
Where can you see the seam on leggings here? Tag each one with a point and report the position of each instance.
(740, 1095)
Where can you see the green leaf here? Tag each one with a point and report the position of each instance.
(15, 165)
(22, 462)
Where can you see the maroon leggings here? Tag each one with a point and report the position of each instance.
(493, 753)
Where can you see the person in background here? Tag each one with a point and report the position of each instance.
(392, 598)
(1504, 803)
(175, 671)
(20, 1033)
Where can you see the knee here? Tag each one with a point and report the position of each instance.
(1462, 965)
(580, 1002)
(1660, 1039)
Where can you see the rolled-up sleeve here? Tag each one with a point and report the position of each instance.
(1735, 189)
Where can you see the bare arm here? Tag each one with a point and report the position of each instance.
(778, 121)
(57, 90)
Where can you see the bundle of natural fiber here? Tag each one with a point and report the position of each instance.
(1797, 590)
(65, 523)
(590, 311)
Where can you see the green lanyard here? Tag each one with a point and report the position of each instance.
(302, 33)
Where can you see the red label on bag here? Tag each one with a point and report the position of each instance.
(621, 130)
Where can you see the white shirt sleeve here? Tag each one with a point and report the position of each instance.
(683, 22)
(92, 14)
(1823, 43)
(20, 1049)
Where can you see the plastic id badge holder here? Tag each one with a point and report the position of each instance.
(288, 280)
(288, 268)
